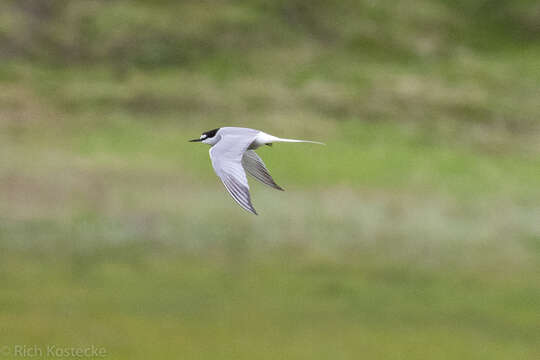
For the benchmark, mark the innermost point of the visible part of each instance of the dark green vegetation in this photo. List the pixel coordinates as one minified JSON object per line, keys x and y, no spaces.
{"x":414,"y":234}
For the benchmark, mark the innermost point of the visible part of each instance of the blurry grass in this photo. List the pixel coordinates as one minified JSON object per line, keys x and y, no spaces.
{"x":166,"y":304}
{"x":413,"y":234}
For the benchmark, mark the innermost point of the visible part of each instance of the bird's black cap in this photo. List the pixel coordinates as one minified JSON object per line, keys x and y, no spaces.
{"x":206,"y":135}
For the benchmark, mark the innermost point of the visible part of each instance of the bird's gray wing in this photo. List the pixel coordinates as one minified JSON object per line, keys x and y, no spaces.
{"x":226,"y":158}
{"x":254,"y":165}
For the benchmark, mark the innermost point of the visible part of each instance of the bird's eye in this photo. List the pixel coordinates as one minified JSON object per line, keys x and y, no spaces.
{"x":203,"y":136}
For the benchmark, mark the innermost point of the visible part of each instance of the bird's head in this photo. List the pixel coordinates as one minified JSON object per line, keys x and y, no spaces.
{"x":208,"y":137}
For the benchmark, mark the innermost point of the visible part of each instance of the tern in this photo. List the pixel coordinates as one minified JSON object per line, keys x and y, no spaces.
{"x":232,"y":154}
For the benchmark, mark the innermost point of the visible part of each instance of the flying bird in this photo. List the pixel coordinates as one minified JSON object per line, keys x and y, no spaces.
{"x":232,"y":154}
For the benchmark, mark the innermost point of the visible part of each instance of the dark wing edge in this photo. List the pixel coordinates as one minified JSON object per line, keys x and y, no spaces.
{"x":255,"y":167}
{"x":239,"y":193}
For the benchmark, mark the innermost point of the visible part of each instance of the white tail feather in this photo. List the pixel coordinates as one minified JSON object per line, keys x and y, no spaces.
{"x":298,"y":141}
{"x":264,"y":138}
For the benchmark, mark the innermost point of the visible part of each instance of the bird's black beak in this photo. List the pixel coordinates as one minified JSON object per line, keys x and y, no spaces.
{"x":195,"y":140}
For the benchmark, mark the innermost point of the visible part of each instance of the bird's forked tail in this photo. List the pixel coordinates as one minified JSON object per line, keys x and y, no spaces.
{"x":267,"y":139}
{"x":299,"y":141}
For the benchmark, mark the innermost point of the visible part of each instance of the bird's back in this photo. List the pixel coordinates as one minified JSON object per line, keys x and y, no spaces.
{"x":238,"y":131}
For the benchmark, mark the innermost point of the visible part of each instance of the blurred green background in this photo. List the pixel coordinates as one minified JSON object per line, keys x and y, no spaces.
{"x":414,"y":234}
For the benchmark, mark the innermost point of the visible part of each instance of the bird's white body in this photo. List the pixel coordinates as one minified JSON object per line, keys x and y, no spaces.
{"x":232,"y":154}
{"x":261,"y":138}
